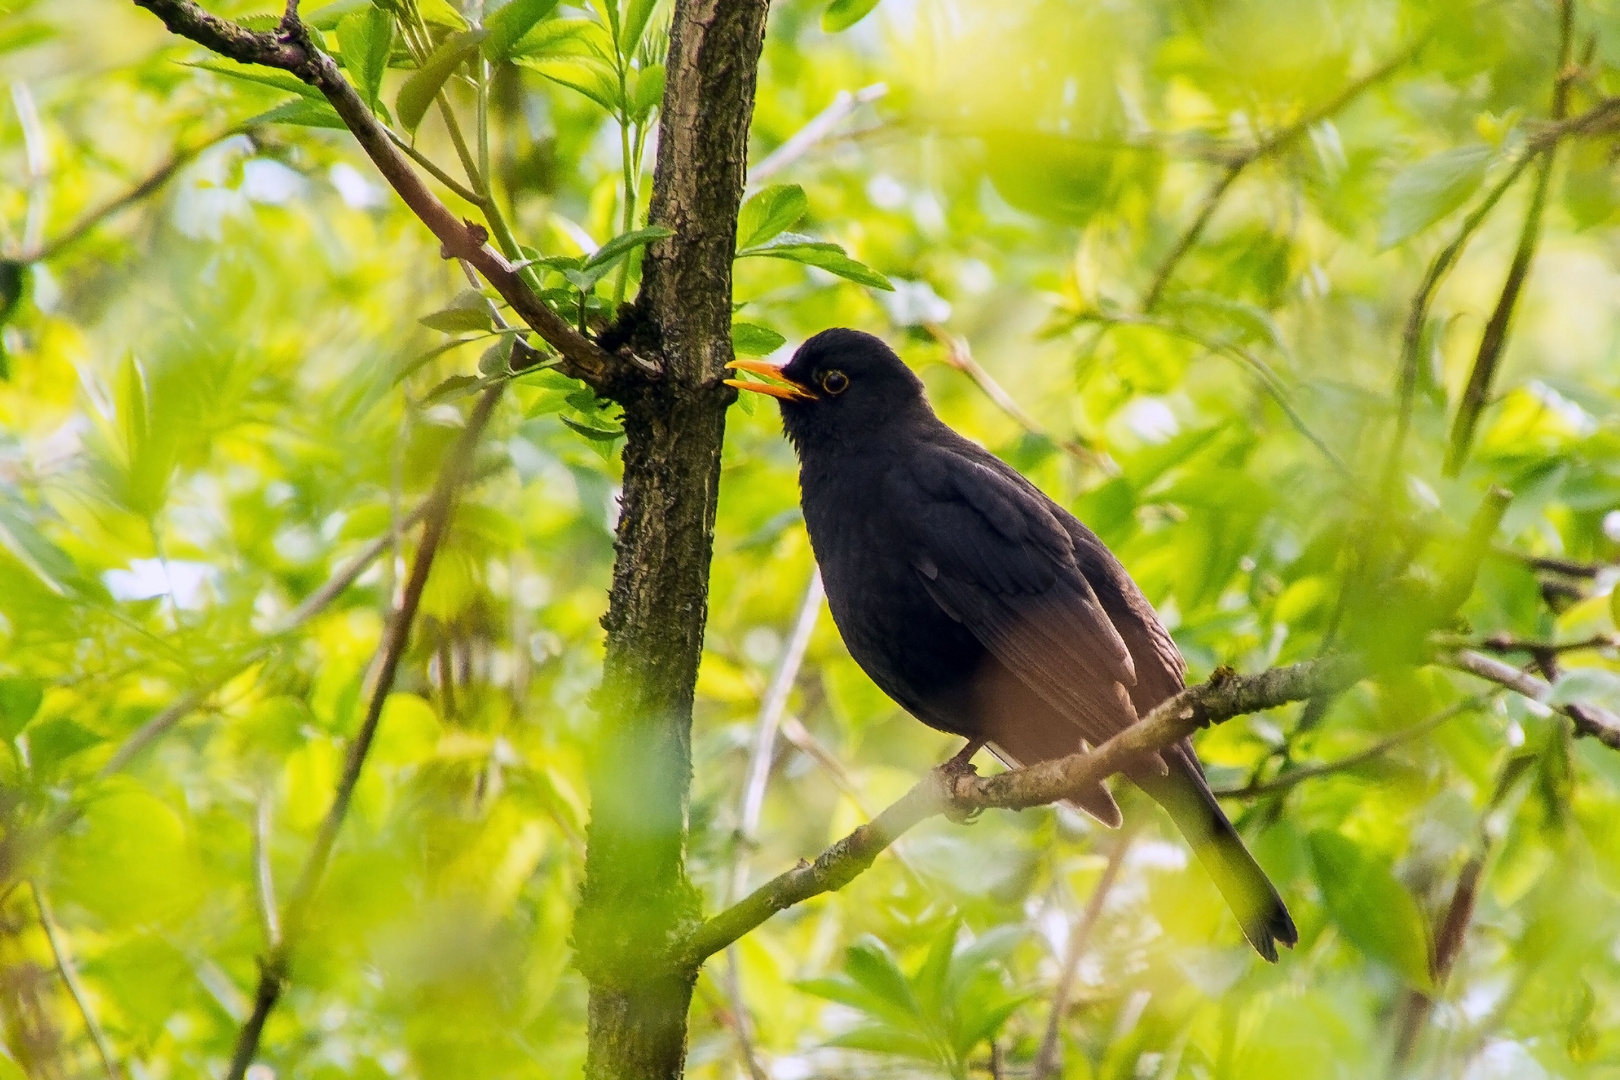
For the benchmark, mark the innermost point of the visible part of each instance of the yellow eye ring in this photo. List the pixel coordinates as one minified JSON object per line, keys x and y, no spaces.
{"x":834,"y":382}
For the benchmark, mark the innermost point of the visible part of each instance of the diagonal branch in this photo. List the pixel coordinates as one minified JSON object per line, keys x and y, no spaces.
{"x":1219,"y":699}
{"x":274,"y":965}
{"x":290,"y":49}
{"x":1589,"y":721}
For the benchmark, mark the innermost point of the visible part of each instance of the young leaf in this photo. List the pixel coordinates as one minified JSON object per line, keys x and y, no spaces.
{"x":558,"y":37}
{"x":301,"y":112}
{"x":588,"y":75}
{"x":456,"y":386}
{"x":421,"y":88}
{"x":441,"y":12}
{"x":1374,"y":910}
{"x":623,"y":244}
{"x":1423,"y":193}
{"x":19,"y":701}
{"x":367,"y":40}
{"x":252,"y":73}
{"x":457,"y":320}
{"x":634,"y":24}
{"x":648,"y":94}
{"x":511,"y":23}
{"x":843,"y":14}
{"x":870,"y":963}
{"x":769,"y":213}
{"x":829,"y":257}
{"x":749,"y":339}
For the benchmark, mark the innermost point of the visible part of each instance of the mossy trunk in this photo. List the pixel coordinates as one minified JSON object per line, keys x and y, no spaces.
{"x":637,"y":901}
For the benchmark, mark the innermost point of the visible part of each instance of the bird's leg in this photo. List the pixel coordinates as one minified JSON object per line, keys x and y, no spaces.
{"x":960,"y":765}
{"x":963,"y":761}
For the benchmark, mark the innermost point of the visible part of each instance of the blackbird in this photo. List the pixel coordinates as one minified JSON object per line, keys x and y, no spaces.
{"x":981,"y":606}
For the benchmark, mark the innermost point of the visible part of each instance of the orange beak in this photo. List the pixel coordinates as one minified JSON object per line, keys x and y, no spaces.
{"x":792,"y":391}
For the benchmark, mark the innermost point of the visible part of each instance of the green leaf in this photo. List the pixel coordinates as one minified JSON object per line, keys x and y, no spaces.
{"x":870,"y":963}
{"x":588,"y":75}
{"x":262,"y":76}
{"x":367,"y":40}
{"x":829,"y":257}
{"x":749,"y":339}
{"x":508,"y":25}
{"x":19,"y":701}
{"x":595,"y":434}
{"x":769,"y":213}
{"x":888,"y":1039}
{"x":328,"y":17}
{"x":442,"y":13}
{"x":13,"y":285}
{"x":648,"y":94}
{"x":456,"y":386}
{"x":1374,"y":911}
{"x":302,"y":113}
{"x":1423,"y":193}
{"x":1587,"y":685}
{"x":556,"y":37}
{"x":52,"y":742}
{"x":621,"y":245}
{"x":424,"y":85}
{"x":843,"y":14}
{"x":634,"y":24}
{"x":458,"y":320}
{"x":53,"y":567}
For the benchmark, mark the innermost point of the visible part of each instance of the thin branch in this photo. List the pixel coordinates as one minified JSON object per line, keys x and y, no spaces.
{"x":820,"y":127}
{"x":1047,"y":1059}
{"x":1492,"y":342}
{"x":1566,"y":567}
{"x":265,"y":888}
{"x":1287,"y":780}
{"x":1035,"y":785}
{"x":274,"y":966}
{"x":1506,"y":643}
{"x":290,"y":49}
{"x":1589,"y":721}
{"x":1266,"y":147}
{"x":153,"y":183}
{"x":959,"y":355}
{"x":771,"y":708}
{"x":70,"y":978}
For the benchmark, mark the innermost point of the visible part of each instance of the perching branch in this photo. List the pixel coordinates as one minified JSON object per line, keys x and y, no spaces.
{"x":1219,"y":699}
{"x":290,"y":49}
{"x":274,"y":965}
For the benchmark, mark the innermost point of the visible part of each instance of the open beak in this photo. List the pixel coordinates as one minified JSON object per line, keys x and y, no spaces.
{"x":791,"y":391}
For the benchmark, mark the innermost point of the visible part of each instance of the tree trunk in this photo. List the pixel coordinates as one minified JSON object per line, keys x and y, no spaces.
{"x":637,"y":900}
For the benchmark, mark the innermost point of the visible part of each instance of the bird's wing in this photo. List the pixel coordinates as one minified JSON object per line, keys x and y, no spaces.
{"x":994,"y":555}
{"x":1161,"y":673}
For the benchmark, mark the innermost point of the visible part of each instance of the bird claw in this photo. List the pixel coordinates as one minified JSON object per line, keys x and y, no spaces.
{"x":951,"y":773}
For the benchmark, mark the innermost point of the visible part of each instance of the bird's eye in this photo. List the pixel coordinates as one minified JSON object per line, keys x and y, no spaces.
{"x":834,"y":382}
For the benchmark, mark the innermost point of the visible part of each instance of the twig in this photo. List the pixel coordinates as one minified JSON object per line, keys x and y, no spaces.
{"x":1506,"y":643}
{"x":822,"y":125}
{"x":1264,"y":148}
{"x":274,"y":965}
{"x":960,"y":356}
{"x":70,"y":978}
{"x":1552,"y":565}
{"x":1591,"y":722}
{"x":1047,"y":1060}
{"x":1287,"y":780}
{"x":154,"y":182}
{"x":1034,"y":785}
{"x":759,"y":772}
{"x":265,"y":887}
{"x":290,"y":49}
{"x":1494,"y":339}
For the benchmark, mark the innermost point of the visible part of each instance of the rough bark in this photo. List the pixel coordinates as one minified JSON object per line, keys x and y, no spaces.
{"x":637,"y":902}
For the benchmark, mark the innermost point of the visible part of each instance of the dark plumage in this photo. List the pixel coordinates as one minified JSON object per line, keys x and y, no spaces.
{"x":982,"y":607}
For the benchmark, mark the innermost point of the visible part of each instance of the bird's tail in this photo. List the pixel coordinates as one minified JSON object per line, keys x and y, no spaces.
{"x":1185,"y":794}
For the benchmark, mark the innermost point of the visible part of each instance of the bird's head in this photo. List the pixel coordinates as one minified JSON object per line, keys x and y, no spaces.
{"x":839,"y":384}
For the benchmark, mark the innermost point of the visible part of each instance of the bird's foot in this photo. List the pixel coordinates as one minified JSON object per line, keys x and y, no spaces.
{"x":951,"y":773}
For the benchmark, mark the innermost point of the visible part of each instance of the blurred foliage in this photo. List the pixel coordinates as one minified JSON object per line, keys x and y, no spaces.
{"x":217,"y":397}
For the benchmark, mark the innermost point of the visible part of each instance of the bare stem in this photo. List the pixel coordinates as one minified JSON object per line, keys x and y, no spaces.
{"x":275,"y":964}
{"x":70,"y":978}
